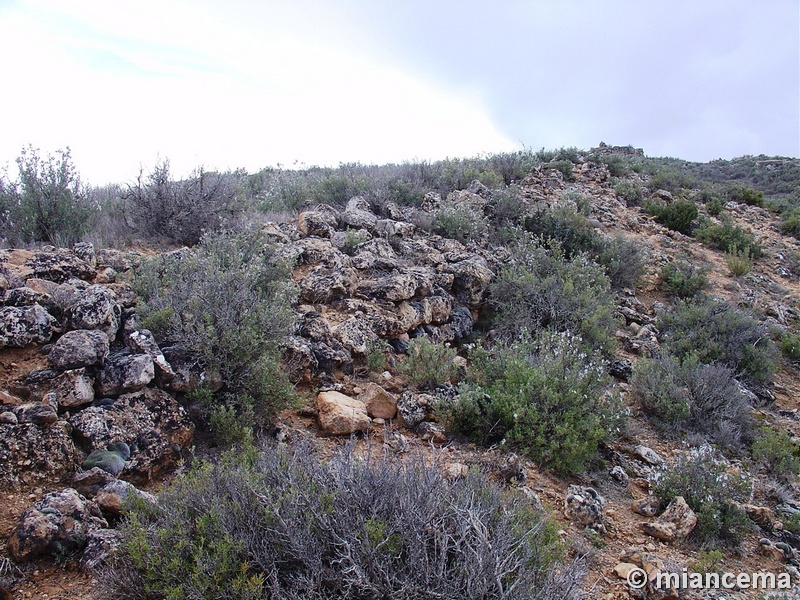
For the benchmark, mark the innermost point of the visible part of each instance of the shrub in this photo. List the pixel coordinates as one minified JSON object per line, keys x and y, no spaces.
{"x":564,"y":166}
{"x":791,"y":223}
{"x":228,"y":300}
{"x":714,"y":490}
{"x":428,"y":365}
{"x":671,"y":180}
{"x":777,"y":453}
{"x":540,"y":289}
{"x":719,"y":332}
{"x":678,"y":215}
{"x":738,"y":261}
{"x":47,"y":204}
{"x":683,"y":279}
{"x":745,"y":195}
{"x":287,"y":525}
{"x":629,"y":191}
{"x":460,"y":223}
{"x":507,"y":207}
{"x":230,"y":424}
{"x":547,"y":399}
{"x":790,"y":345}
{"x":727,"y":236}
{"x":693,"y":397}
{"x":161,"y":208}
{"x":617,"y":165}
{"x":353,"y":238}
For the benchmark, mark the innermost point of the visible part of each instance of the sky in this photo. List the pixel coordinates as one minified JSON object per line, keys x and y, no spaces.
{"x":259,"y":83}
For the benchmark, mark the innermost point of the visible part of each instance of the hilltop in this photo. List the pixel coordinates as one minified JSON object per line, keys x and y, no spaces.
{"x":608,"y":340}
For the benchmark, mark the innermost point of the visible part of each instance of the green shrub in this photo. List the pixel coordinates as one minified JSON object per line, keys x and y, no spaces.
{"x":507,"y":207}
{"x":540,"y":289}
{"x":791,"y":223}
{"x":726,"y":236}
{"x":460,"y":223}
{"x":564,"y":166}
{"x":287,"y":525}
{"x":678,"y":216}
{"x":672,"y":181}
{"x":47,"y":204}
{"x":428,"y":365}
{"x":719,"y":332}
{"x":683,"y":279}
{"x":714,"y":490}
{"x":738,"y":261}
{"x":777,"y":453}
{"x":745,"y":195}
{"x":229,"y":301}
{"x":790,"y":346}
{"x":617,"y":165}
{"x":693,"y":397}
{"x":353,"y":238}
{"x":546,"y":399}
{"x":629,"y":191}
{"x":230,"y":424}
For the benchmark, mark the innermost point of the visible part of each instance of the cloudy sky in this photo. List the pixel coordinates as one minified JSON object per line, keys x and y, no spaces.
{"x":255,"y":83}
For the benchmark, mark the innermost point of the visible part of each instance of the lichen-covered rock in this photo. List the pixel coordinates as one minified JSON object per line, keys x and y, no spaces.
{"x":191,"y":370}
{"x":649,"y":506}
{"x":23,"y":325}
{"x":340,"y":414}
{"x":409,"y":282}
{"x":72,"y":388}
{"x":25,"y":296}
{"x":125,"y":373}
{"x":675,"y":523}
{"x":357,"y":214}
{"x":585,"y":507}
{"x":79,"y":348}
{"x":101,"y":545}
{"x":412,"y":408}
{"x":58,"y":523}
{"x":85,"y":252}
{"x":38,"y":413}
{"x":471,"y":277}
{"x":111,"y":498}
{"x":355,"y":335}
{"x":379,"y":403}
{"x":58,"y":265}
{"x":150,"y":421}
{"x":324,"y":284}
{"x":141,"y":341}
{"x":299,"y":360}
{"x":316,"y":223}
{"x":96,"y":307}
{"x":31,"y":454}
{"x":91,"y":481}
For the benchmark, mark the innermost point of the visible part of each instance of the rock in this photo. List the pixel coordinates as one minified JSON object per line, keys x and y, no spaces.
{"x":619,"y":475}
{"x":38,"y":413}
{"x":79,"y":348}
{"x":649,"y":506}
{"x":621,"y":369}
{"x":299,"y":360}
{"x":358,"y":214}
{"x":91,"y":481}
{"x":585,"y":507}
{"x":60,"y":522}
{"x":340,"y":414}
{"x":25,"y":296}
{"x":763,"y":517}
{"x":434,"y":433}
{"x":675,"y":523}
{"x":111,"y":460}
{"x":412,"y":409}
{"x":768,"y":548}
{"x":97,"y":307}
{"x":23,"y":325}
{"x":648,"y":455}
{"x":471,"y":278}
{"x":149,"y":419}
{"x":316,"y":223}
{"x":72,"y":388}
{"x":125,"y":373}
{"x":325,"y":284}
{"x":58,"y":265}
{"x":112,"y":497}
{"x":379,"y":403}
{"x":85,"y":252}
{"x":191,"y":370}
{"x":31,"y":454}
{"x":624,"y":569}
{"x":101,"y":545}
{"x":355,"y":335}
{"x":141,"y":341}
{"x":8,"y":418}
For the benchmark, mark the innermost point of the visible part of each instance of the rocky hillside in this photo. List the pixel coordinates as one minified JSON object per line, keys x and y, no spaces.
{"x":456,"y":328}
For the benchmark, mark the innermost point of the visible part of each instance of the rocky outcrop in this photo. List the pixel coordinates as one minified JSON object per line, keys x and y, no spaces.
{"x":58,"y":523}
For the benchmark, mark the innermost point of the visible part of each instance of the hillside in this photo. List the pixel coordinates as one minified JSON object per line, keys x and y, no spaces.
{"x":604,"y":343}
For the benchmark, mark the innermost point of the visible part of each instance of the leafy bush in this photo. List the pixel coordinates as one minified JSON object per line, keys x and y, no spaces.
{"x":738,"y":261}
{"x":353,"y":238}
{"x":683,"y":279}
{"x":47,"y":204}
{"x":287,"y":525}
{"x":164,"y":209}
{"x":507,"y":206}
{"x":547,"y":399}
{"x":719,"y":332}
{"x":541,"y":289}
{"x":791,"y":223}
{"x":460,"y":223}
{"x":230,"y":424}
{"x":228,"y":300}
{"x":629,"y":191}
{"x":727,"y":236}
{"x":777,"y":453}
{"x":790,"y":346}
{"x":564,"y":166}
{"x":671,"y":180}
{"x":693,"y":397}
{"x":678,"y":215}
{"x":745,"y":195}
{"x":428,"y":365}
{"x":714,"y":490}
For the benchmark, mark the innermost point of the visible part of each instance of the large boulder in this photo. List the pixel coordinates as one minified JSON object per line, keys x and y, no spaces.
{"x":58,"y":265}
{"x":31,"y":454}
{"x":471,"y":277}
{"x":70,"y":389}
{"x":125,"y":373}
{"x":675,"y":523}
{"x":23,"y":325}
{"x":97,"y":307}
{"x":150,"y":421}
{"x":79,"y":348}
{"x":340,"y":414}
{"x":58,"y":523}
{"x":379,"y":403}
